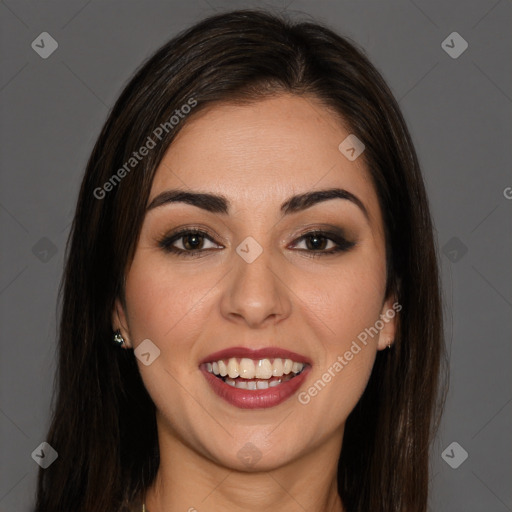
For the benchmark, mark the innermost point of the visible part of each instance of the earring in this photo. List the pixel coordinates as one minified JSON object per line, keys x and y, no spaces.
{"x":118,"y":338}
{"x":389,"y":345}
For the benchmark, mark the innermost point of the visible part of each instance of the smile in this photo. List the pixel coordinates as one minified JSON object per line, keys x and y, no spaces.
{"x":251,"y":379}
{"x":252,"y":374}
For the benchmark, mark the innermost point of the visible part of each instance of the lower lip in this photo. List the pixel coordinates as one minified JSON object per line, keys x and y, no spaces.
{"x":258,"y":398}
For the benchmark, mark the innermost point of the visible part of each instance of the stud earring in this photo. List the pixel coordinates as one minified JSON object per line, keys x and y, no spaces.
{"x":118,"y":338}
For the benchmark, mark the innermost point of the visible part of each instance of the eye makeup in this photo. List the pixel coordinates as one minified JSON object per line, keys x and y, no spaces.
{"x":192,"y":240}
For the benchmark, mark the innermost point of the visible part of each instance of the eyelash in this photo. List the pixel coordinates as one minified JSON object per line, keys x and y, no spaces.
{"x":342,"y":245}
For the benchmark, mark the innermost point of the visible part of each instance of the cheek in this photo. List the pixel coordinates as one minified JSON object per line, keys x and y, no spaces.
{"x":169,"y":308}
{"x":162,"y":302}
{"x":344,"y":313}
{"x":346,"y":300}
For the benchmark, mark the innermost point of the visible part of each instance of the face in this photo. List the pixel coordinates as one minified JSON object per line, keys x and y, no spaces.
{"x":241,"y":283}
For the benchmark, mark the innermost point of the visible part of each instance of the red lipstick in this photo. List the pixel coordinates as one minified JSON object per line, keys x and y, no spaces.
{"x":283,"y":385}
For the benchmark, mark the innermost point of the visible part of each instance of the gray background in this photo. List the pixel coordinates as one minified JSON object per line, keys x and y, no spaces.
{"x":459,"y":114}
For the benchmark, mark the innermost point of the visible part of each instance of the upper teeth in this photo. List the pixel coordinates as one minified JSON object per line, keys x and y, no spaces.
{"x":250,"y":369}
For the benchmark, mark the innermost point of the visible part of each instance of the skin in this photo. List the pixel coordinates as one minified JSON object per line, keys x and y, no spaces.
{"x":257,"y":156}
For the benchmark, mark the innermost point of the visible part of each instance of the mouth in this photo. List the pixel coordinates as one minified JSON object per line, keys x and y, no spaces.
{"x":255,"y":378}
{"x":245,"y":373}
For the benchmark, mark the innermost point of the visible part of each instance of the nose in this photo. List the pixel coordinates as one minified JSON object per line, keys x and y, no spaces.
{"x":256,"y":293}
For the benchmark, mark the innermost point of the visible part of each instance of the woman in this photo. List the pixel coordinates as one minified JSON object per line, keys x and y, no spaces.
{"x":253,"y":234}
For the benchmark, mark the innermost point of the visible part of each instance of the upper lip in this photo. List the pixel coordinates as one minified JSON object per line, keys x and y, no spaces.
{"x":250,"y":353}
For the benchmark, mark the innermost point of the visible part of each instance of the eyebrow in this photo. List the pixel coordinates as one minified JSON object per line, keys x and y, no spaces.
{"x":221,"y":205}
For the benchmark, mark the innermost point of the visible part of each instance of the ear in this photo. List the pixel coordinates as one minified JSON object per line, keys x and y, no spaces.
{"x":119,"y":322}
{"x":389,"y":319}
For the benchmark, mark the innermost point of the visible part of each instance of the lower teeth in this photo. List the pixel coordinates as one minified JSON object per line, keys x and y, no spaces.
{"x":252,"y":384}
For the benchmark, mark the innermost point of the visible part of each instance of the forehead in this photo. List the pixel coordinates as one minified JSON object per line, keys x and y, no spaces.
{"x":260,"y":153}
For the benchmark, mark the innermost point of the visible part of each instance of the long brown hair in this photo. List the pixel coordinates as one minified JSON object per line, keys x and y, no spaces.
{"x":103,"y":421}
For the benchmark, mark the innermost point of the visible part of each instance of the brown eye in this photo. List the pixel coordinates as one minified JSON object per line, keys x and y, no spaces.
{"x":317,"y":243}
{"x":193,"y":241}
{"x":187,"y":242}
